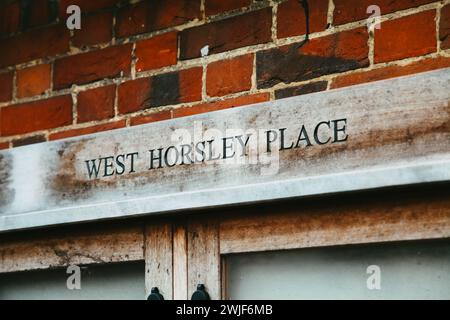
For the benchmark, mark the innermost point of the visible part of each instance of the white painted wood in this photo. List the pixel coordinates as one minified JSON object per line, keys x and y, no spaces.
{"x":398,"y":134}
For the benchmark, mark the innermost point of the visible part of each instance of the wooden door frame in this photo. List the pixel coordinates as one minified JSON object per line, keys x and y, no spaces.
{"x":181,"y":251}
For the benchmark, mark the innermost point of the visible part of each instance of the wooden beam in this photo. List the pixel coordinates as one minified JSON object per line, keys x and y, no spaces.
{"x":37,"y":251}
{"x":329,"y":222}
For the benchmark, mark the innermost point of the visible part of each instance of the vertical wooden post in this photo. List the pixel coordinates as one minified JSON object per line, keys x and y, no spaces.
{"x":180,"y":262}
{"x":158,"y":258}
{"x":180,"y":255}
{"x":204,"y":257}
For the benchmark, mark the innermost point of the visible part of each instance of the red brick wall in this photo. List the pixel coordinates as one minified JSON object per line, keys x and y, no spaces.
{"x":139,"y":62}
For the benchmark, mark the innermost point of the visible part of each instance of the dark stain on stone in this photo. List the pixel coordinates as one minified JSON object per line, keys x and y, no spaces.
{"x":65,"y":183}
{"x":69,"y":185}
{"x":6,"y":192}
{"x":430,"y":130}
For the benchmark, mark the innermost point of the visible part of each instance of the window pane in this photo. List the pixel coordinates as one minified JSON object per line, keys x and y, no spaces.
{"x":408,"y":270}
{"x":109,"y":281}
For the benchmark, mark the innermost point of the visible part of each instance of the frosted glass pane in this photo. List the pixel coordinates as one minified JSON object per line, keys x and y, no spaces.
{"x":409,"y":270}
{"x":111,"y":281}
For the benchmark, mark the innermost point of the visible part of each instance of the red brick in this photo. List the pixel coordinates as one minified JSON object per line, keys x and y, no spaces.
{"x":134,"y":95}
{"x":190,"y":85}
{"x":4,"y":145}
{"x":347,"y":11}
{"x":157,"y":52}
{"x":155,"y":15}
{"x":161,"y":90}
{"x":410,"y":36}
{"x":88,"y":130}
{"x":229,"y":76}
{"x":34,"y":44}
{"x":33,"y":81}
{"x":95,"y":29}
{"x":9,"y":18}
{"x":220,"y":105}
{"x":444,"y":27}
{"x":213,"y":7}
{"x":39,"y":13}
{"x":225,"y":35}
{"x":291,"y":18}
{"x":390,"y":72}
{"x":6,"y":86}
{"x":92,"y":66}
{"x":85,"y":5}
{"x":347,"y":50}
{"x":154,"y":117}
{"x":36,"y":115}
{"x":96,"y":104}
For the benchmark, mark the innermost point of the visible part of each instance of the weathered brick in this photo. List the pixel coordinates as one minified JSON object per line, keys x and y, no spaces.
{"x":37,"y":115}
{"x":86,"y":5}
{"x":92,"y":66}
{"x":33,"y":81}
{"x":229,"y":76}
{"x":291,"y":18}
{"x":87,"y":130}
{"x":302,"y":89}
{"x":6,"y":86}
{"x":220,"y":105}
{"x":213,"y":7}
{"x":224,"y":35}
{"x":135,"y":95}
{"x":9,"y":18}
{"x":34,"y":44}
{"x":409,"y":36}
{"x":155,"y":15}
{"x":4,"y":145}
{"x":444,"y":27}
{"x":189,"y":84}
{"x":157,"y":52}
{"x":390,"y":72}
{"x":154,"y":117}
{"x":39,"y":12}
{"x":96,"y":28}
{"x":346,"y":11}
{"x":160,"y":90}
{"x":339,"y":52}
{"x":29,"y":140}
{"x":96,"y":104}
